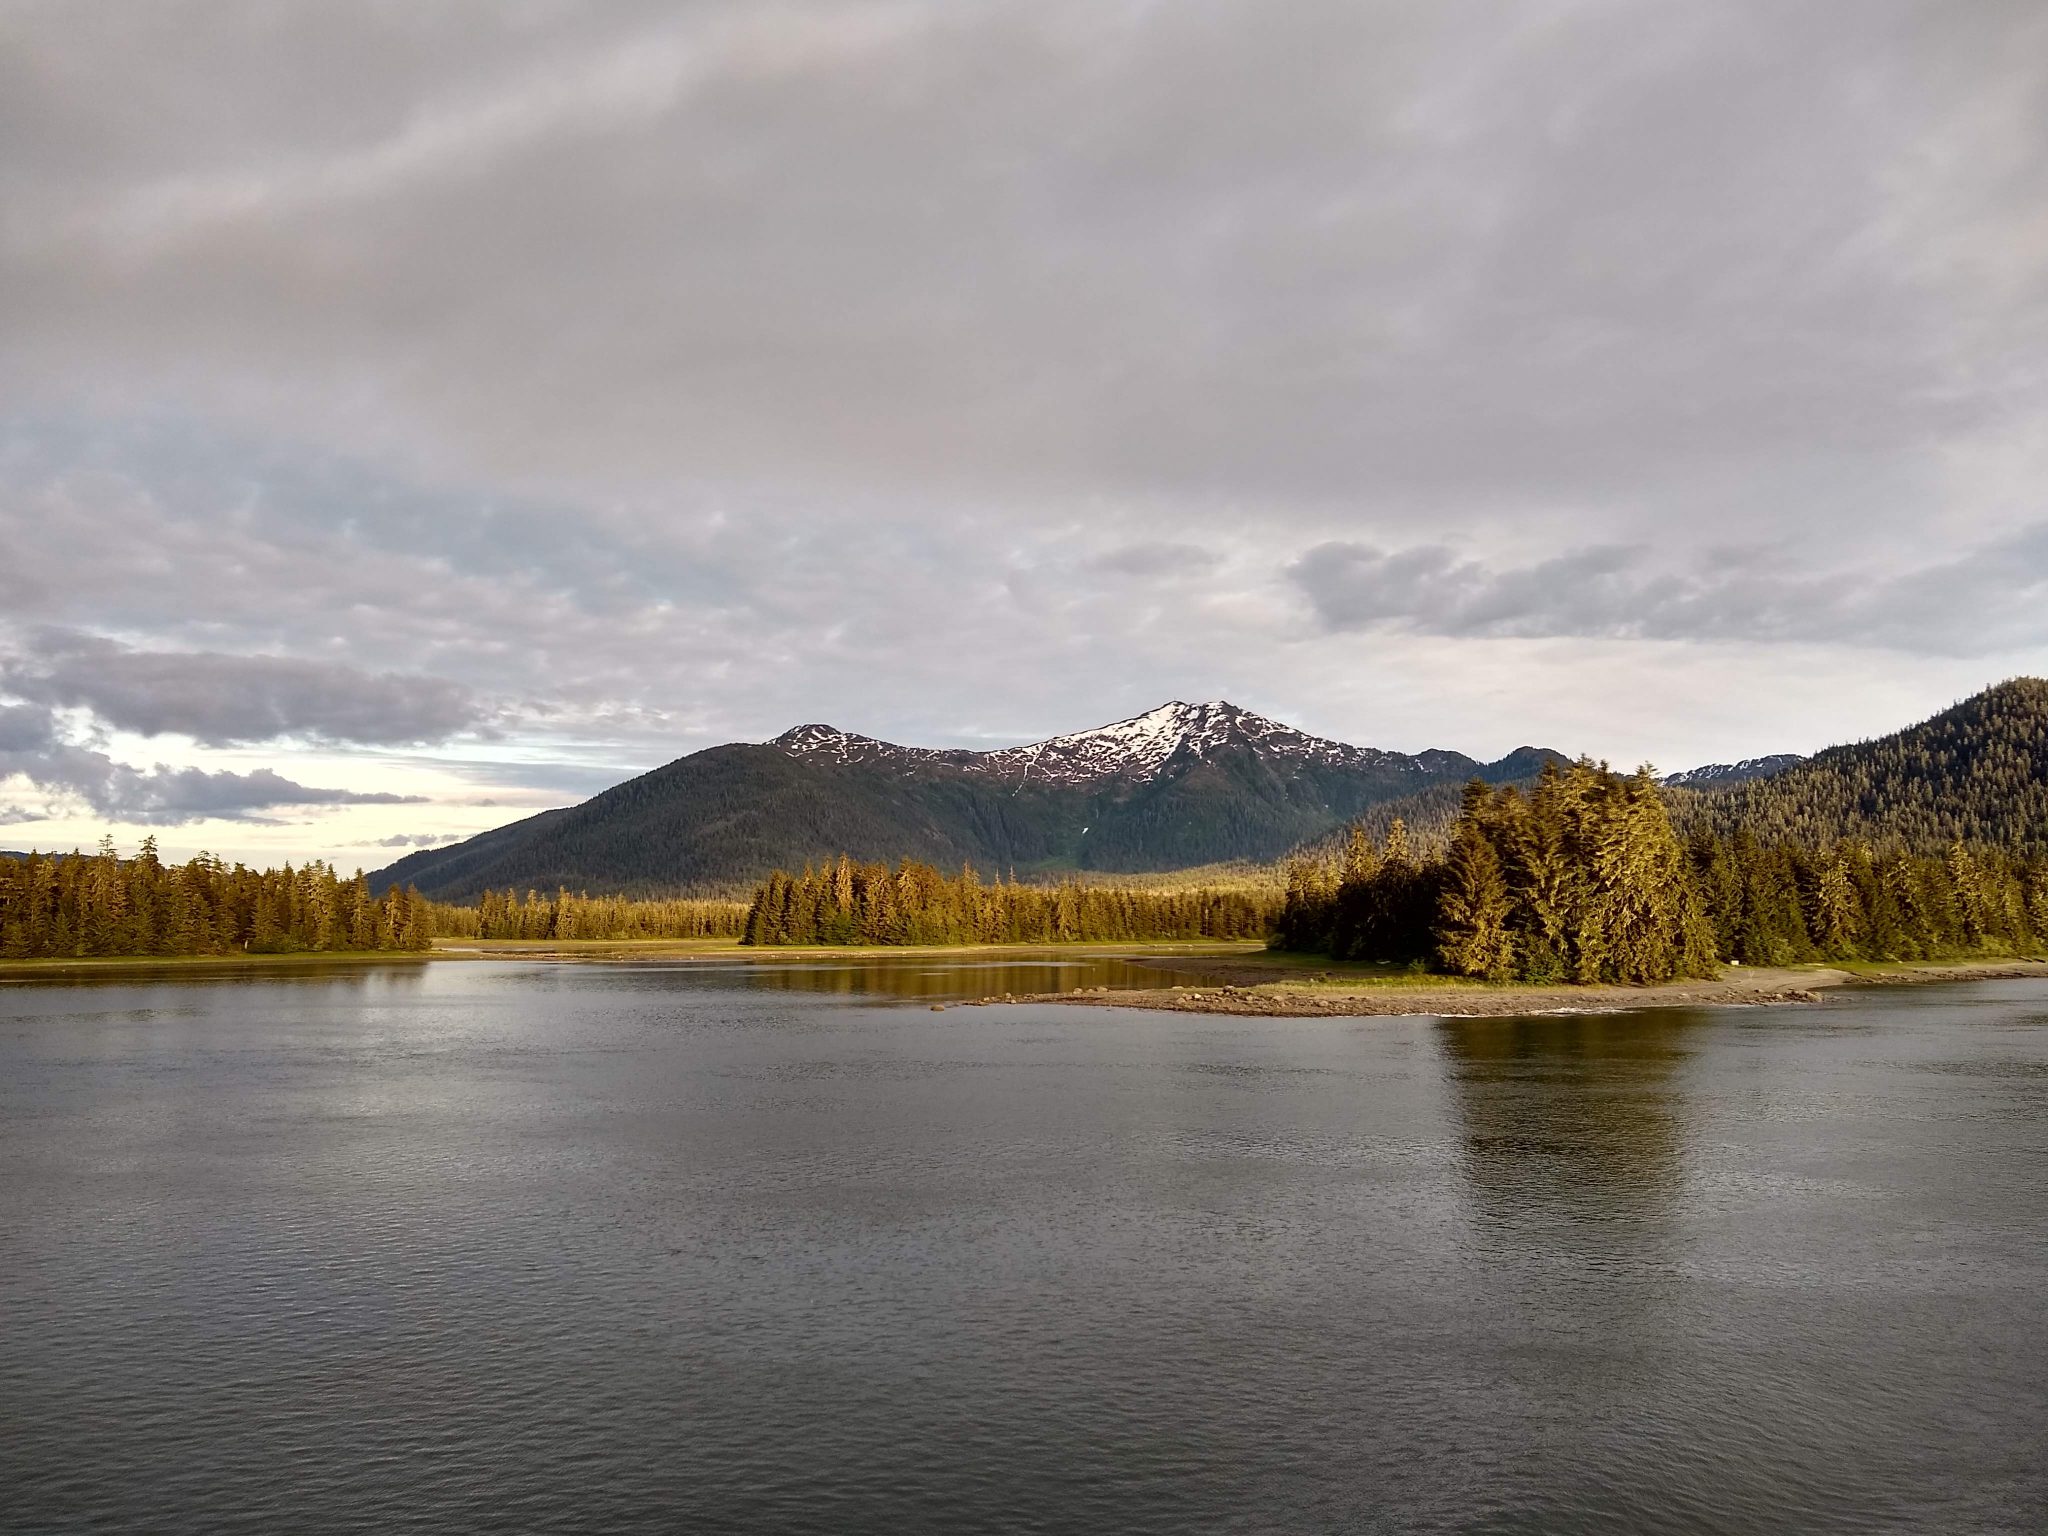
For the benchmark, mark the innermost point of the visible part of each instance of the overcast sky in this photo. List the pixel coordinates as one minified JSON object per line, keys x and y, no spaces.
{"x":413,"y":415}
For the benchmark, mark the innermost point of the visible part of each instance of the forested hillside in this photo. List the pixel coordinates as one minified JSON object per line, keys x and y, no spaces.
{"x":1977,"y":773}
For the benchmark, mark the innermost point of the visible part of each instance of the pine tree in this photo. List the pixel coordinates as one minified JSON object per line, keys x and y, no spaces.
{"x":1838,"y":920}
{"x":1472,"y":917}
{"x":1967,"y":885}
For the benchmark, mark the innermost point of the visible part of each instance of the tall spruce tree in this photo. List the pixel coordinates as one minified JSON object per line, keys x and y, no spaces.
{"x":1472,"y":934}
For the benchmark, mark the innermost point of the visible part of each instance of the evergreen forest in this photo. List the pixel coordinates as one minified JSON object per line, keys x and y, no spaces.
{"x":504,"y":915}
{"x":101,"y":904}
{"x":1975,"y":774}
{"x":913,"y":903}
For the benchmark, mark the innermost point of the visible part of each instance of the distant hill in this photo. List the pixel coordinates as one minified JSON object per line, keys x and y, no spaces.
{"x":1977,"y":772}
{"x":1722,"y":775}
{"x":1178,"y":786}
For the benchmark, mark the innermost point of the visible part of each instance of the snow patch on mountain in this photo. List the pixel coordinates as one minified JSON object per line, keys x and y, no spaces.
{"x":1718,"y":775}
{"x":1133,"y":750}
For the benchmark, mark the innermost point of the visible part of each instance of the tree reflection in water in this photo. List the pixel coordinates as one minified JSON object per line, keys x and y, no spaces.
{"x":1573,"y":1124}
{"x":940,"y":979}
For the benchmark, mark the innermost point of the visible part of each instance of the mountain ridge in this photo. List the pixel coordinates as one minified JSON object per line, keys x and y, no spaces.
{"x":1135,"y":748}
{"x":1181,"y":785}
{"x":1714,"y":775}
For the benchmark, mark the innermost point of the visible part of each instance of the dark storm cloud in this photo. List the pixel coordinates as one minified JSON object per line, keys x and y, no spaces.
{"x":222,"y":700}
{"x":1992,"y":599}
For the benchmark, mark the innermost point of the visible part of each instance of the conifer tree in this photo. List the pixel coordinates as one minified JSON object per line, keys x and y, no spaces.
{"x":1967,"y":885}
{"x":1837,"y":921}
{"x":1472,"y":917}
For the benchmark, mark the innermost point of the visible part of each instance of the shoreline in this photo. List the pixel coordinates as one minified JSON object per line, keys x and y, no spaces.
{"x":1249,"y":980}
{"x":1185,"y":953}
{"x":1245,"y":992}
{"x":76,"y":965}
{"x":1197,"y":953}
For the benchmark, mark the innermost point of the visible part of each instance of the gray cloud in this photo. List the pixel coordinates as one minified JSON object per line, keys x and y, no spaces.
{"x":413,"y":840}
{"x":1165,"y":248}
{"x":224,"y":700}
{"x":26,"y":728}
{"x":32,"y":748}
{"x":1989,"y":600}
{"x":1154,"y":559}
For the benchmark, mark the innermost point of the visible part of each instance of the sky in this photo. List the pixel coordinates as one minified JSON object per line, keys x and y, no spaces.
{"x":414,"y":415}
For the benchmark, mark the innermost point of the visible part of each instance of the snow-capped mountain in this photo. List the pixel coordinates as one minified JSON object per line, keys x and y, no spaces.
{"x":1720,"y":775}
{"x":1133,"y":750}
{"x":1181,"y":785}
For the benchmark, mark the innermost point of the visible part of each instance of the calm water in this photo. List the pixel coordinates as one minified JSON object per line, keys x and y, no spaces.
{"x":500,"y":1246}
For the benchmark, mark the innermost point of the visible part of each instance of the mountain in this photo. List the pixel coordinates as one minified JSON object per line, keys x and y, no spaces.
{"x":1977,"y":773}
{"x":1178,"y":786}
{"x":1131,"y":750}
{"x":1722,"y":775}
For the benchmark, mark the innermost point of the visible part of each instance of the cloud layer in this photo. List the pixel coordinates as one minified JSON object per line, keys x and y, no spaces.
{"x":34,"y":750}
{"x":1991,"y":601}
{"x":225,"y":700}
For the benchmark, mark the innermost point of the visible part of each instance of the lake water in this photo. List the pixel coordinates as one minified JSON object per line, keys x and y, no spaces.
{"x":495,"y":1246}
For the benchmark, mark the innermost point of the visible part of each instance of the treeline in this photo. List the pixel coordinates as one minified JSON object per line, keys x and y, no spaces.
{"x":503,"y":915}
{"x":850,"y":903}
{"x":1583,"y":879}
{"x":1774,"y":904}
{"x":98,"y":905}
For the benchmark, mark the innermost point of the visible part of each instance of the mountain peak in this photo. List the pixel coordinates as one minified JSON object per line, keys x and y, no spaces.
{"x":1132,"y":750}
{"x":829,"y":743}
